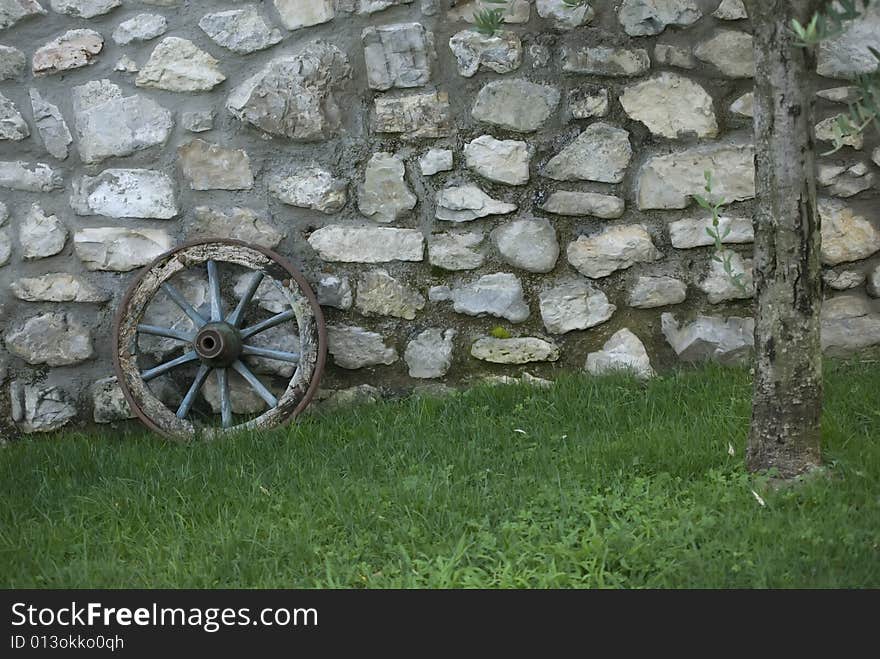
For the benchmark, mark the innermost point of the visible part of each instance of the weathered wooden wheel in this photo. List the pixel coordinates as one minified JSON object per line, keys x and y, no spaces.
{"x":245,"y":351}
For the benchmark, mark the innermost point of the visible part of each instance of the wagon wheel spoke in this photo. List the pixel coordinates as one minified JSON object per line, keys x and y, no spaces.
{"x":268,"y":353}
{"x":255,"y":383}
{"x":236,"y":317}
{"x":167,"y":332}
{"x":214,"y":288}
{"x":269,"y":323}
{"x":185,"y":306}
{"x":225,"y":400}
{"x":188,"y":400}
{"x":152,"y":373}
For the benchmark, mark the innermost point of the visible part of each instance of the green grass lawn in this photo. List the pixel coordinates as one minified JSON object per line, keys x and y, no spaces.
{"x":592,"y":483}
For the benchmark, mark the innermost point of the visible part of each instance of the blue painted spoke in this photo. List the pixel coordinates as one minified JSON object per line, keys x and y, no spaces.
{"x":214,"y":288}
{"x":188,"y":400}
{"x":268,"y":353}
{"x":185,"y":306}
{"x":156,"y":371}
{"x":252,"y":380}
{"x":269,"y":323}
{"x":236,"y":317}
{"x":167,"y":332}
{"x":225,"y":401}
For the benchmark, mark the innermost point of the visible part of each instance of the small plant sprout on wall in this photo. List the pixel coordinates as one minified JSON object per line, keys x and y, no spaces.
{"x":723,"y":256}
{"x":488,"y":21}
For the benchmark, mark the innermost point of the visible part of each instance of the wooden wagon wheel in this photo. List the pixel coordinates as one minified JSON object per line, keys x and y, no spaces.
{"x":223,"y":337}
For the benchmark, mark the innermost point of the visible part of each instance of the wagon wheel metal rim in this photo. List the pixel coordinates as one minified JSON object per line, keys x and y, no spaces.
{"x":219,"y":341}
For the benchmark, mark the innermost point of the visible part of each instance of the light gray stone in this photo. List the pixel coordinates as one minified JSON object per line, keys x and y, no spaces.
{"x":334,"y":291}
{"x":693,"y":232}
{"x":198,"y":121}
{"x":499,"y":295}
{"x":356,"y":347}
{"x":108,"y":124}
{"x":622,"y":352}
{"x":500,"y":52}
{"x":41,"y":235}
{"x":342,"y":399}
{"x":357,"y":244}
{"x":719,"y":286}
{"x":564,"y":202}
{"x":843,"y":281}
{"x":243,"y":224}
{"x":269,"y":295}
{"x":108,"y":402}
{"x":293,"y":96}
{"x":455,"y":250}
{"x":875,"y":156}
{"x":141,"y":27}
{"x":600,"y":153}
{"x":373,"y":6}
{"x":177,"y":65}
{"x":642,"y":18}
{"x":384,"y":195}
{"x":242,"y":397}
{"x":5,"y":246}
{"x":573,"y":304}
{"x":242,"y":31}
{"x":56,"y":287}
{"x":515,"y":11}
{"x":849,"y":325}
{"x":429,"y":355}
{"x":126,"y":65}
{"x":678,"y":56}
{"x":54,"y":339}
{"x":521,"y":350}
{"x":40,"y":409}
{"x":117,"y":249}
{"x":435,"y":160}
{"x":843,"y":181}
{"x":13,"y":11}
{"x":671,"y":106}
{"x":72,"y":50}
{"x":380,"y":294}
{"x":134,"y":193}
{"x":311,"y":187}
{"x":605,"y":61}
{"x":846,"y":236}
{"x":397,"y":55}
{"x":502,"y":161}
{"x":211,"y":167}
{"x":728,"y":341}
{"x":848,"y":94}
{"x":465,"y":203}
{"x":12,"y":124}
{"x":84,"y":8}
{"x":744,"y":106}
{"x":586,"y":102}
{"x":296,"y":14}
{"x":422,"y":115}
{"x":528,"y":244}
{"x":671,"y":180}
{"x":12,"y":63}
{"x":29,"y":177}
{"x":540,"y":55}
{"x":731,"y":10}
{"x":827,"y":131}
{"x":615,"y":248}
{"x":51,"y":126}
{"x":848,"y":54}
{"x":653,"y":292}
{"x":515,"y":104}
{"x":565,"y":16}
{"x":730,"y":51}
{"x":874,"y":282}
{"x":281,"y":338}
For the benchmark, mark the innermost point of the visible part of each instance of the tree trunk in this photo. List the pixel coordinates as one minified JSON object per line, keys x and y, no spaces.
{"x":787,"y":397}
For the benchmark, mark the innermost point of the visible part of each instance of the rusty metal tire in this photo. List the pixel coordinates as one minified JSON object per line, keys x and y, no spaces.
{"x":219,"y":343}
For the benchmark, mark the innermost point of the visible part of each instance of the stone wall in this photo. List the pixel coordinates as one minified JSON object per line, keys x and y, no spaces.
{"x":464,"y":205}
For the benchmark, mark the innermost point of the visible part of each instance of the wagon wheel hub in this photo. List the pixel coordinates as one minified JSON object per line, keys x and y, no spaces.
{"x":218,"y":344}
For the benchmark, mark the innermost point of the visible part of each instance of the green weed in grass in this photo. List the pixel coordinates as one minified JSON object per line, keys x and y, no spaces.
{"x":592,"y":483}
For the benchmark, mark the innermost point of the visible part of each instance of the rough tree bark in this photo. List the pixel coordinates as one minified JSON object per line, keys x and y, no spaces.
{"x":787,"y":397}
